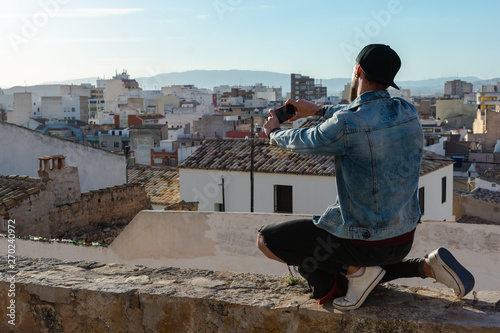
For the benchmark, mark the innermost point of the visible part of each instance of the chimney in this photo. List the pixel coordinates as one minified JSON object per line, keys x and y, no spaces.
{"x":64,"y":180}
{"x":58,"y":162}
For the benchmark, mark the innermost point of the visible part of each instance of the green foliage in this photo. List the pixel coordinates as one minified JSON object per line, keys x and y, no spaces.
{"x":293,"y":280}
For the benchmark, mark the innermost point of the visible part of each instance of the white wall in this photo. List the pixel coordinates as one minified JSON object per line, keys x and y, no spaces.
{"x":142,"y":145}
{"x":481,"y":183}
{"x":52,"y":108}
{"x":23,"y":109}
{"x":70,"y":102}
{"x":433,"y":208}
{"x":20,"y":149}
{"x":184,"y":152}
{"x":226,"y":242}
{"x":438,"y":147}
{"x":311,"y":194}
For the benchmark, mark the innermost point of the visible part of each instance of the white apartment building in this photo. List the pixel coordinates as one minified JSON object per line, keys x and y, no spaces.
{"x":67,"y":107}
{"x":23,"y":109}
{"x":190,"y":93}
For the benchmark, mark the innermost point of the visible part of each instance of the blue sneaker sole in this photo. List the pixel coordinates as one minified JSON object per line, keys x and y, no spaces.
{"x":450,"y":264}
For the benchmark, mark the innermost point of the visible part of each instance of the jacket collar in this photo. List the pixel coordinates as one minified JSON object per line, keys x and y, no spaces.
{"x":368,"y":97}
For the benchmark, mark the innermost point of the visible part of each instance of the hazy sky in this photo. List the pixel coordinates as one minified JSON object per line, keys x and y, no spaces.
{"x":48,"y":40}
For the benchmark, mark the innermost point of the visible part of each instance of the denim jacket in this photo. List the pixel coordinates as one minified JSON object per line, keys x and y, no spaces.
{"x":378,"y":145}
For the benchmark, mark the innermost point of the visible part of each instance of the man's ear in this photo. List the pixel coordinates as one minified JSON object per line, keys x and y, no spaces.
{"x":358,"y":71}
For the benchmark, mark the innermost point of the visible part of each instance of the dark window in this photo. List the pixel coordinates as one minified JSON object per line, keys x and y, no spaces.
{"x":117,"y":144}
{"x":218,"y":207}
{"x":443,"y":190}
{"x":421,"y":199}
{"x":283,"y":199}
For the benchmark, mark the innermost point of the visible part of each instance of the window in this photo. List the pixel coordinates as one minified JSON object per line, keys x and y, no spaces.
{"x":73,"y":109}
{"x":283,"y":199}
{"x":421,"y":199}
{"x":117,"y":145}
{"x":443,"y":190}
{"x":104,"y":144}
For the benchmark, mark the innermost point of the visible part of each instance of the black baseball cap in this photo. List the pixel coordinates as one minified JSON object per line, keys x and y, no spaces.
{"x":380,"y":63}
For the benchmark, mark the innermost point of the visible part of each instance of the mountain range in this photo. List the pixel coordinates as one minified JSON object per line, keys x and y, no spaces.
{"x":212,"y":78}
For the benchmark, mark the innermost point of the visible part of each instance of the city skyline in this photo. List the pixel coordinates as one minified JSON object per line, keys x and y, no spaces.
{"x":57,"y":40}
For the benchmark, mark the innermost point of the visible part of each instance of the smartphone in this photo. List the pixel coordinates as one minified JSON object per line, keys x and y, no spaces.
{"x":285,"y":112}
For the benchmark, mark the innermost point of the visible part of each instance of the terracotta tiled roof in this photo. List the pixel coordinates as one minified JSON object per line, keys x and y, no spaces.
{"x":312,"y":121}
{"x":234,"y":155}
{"x":14,"y":189}
{"x":244,"y":134}
{"x":161,"y":183}
{"x":432,"y":162}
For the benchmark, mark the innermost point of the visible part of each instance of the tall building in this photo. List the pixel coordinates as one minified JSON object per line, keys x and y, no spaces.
{"x":96,"y":102}
{"x":457,"y":88}
{"x":23,"y":109}
{"x":67,"y":107}
{"x":303,"y":87}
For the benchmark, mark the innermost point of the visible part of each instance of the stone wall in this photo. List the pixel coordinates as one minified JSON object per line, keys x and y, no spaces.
{"x":184,"y":206}
{"x":105,"y":207}
{"x":466,"y":204}
{"x":63,"y":184}
{"x":58,"y":296}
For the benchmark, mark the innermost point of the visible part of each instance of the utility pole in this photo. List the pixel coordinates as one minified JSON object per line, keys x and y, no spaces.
{"x":251,"y":166}
{"x":223,"y":196}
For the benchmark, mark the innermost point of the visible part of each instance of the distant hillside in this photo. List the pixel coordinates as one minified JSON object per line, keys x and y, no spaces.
{"x":212,"y":78}
{"x":41,"y":90}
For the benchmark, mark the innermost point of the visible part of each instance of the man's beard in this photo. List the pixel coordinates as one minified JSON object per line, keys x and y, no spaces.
{"x":353,"y":94}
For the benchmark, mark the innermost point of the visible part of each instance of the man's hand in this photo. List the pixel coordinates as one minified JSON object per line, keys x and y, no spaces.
{"x":303,"y":108}
{"x":271,"y":123}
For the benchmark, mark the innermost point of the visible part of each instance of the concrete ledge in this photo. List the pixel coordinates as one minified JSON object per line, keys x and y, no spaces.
{"x":63,"y":296}
{"x":226,"y":242}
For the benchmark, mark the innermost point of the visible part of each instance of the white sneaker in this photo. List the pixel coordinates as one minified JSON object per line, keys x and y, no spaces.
{"x":359,"y":288}
{"x":448,"y":271}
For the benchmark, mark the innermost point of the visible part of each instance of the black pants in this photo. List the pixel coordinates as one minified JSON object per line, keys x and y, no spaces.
{"x":320,"y":255}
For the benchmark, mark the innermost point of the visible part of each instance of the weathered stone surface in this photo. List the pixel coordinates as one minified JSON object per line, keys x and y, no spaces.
{"x":62,"y":296}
